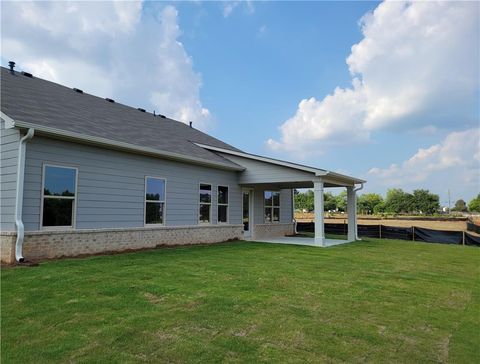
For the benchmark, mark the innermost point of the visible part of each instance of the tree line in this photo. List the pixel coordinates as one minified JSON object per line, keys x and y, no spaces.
{"x":396,"y":201}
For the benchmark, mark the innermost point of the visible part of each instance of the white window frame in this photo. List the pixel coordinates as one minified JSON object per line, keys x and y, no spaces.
{"x":205,"y":203}
{"x":74,"y":198}
{"x":224,"y":204}
{"x":271,"y":207}
{"x":154,"y":201}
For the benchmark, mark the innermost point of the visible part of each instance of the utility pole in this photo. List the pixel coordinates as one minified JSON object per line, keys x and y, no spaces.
{"x":449,"y":201}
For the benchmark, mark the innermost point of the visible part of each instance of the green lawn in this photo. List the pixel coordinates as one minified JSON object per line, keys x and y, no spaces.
{"x":371,"y":301}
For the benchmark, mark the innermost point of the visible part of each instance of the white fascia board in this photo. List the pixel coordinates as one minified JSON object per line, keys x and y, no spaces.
{"x":318,"y":172}
{"x":9,"y":122}
{"x":69,"y":135}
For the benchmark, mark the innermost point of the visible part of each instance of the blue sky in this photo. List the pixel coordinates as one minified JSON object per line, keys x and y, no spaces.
{"x":384,"y":91}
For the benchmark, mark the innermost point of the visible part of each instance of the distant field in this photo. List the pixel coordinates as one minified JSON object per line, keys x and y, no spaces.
{"x":429,"y":224}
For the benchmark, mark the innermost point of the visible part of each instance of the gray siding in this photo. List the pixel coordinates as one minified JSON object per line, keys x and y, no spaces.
{"x":285,"y":205}
{"x":262,"y":172}
{"x":110,"y":191}
{"x":9,"y":140}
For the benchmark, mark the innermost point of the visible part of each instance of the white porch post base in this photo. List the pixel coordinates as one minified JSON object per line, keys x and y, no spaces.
{"x":318,"y":205}
{"x":352,"y":213}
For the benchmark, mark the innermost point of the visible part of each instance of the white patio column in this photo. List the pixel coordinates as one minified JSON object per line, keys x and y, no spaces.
{"x":352,"y":213}
{"x":318,"y":206}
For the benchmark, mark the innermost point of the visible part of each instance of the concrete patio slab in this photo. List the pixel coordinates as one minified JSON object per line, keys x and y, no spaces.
{"x":297,"y":240}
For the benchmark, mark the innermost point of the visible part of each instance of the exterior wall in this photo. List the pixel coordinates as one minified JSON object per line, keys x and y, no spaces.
{"x":9,"y":141}
{"x":286,"y":213}
{"x":262,"y":172}
{"x":40,"y":245}
{"x":7,"y":247}
{"x":273,"y":230}
{"x":111,"y":187}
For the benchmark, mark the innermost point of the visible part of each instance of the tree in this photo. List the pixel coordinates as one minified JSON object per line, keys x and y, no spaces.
{"x":341,"y":200}
{"x":366,"y":203}
{"x":460,"y":205}
{"x":329,"y":202}
{"x":424,"y":202}
{"x":397,"y":201}
{"x":474,"y":204}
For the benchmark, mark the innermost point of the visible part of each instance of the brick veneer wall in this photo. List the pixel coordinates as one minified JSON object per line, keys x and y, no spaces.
{"x":272,"y":230}
{"x":40,"y":245}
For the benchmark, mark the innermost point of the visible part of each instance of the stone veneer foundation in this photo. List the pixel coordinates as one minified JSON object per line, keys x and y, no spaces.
{"x":273,"y":230}
{"x":40,"y":245}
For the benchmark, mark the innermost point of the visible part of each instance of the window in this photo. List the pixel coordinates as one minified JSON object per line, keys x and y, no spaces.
{"x":272,"y":206}
{"x":154,"y":201}
{"x":222,"y":203}
{"x":205,"y":203}
{"x":59,"y":194}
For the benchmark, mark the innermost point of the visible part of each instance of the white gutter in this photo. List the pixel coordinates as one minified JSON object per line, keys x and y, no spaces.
{"x":355,"y":190}
{"x":19,"y":196}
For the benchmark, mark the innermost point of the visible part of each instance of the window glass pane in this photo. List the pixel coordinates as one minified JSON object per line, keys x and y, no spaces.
{"x":268,"y":198}
{"x":155,"y":189}
{"x":204,"y":213}
{"x":57,"y":212}
{"x":276,"y":214}
{"x":154,"y":213}
{"x":59,"y":181}
{"x":222,"y":194}
{"x":222,"y":213}
{"x":268,"y":214}
{"x":205,"y":193}
{"x":276,"y":198}
{"x":246,"y":211}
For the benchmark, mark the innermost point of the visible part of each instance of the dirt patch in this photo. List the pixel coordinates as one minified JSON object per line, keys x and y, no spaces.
{"x":443,"y":224}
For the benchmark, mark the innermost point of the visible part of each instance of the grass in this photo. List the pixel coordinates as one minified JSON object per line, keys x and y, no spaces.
{"x":375,"y":301}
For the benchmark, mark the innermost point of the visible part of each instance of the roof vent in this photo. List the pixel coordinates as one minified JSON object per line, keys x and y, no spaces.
{"x":78,"y":90}
{"x":191,"y":124}
{"x":162,"y":116}
{"x":109,"y":100}
{"x":26,"y":74}
{"x":11,"y":64}
{"x":140,"y":109}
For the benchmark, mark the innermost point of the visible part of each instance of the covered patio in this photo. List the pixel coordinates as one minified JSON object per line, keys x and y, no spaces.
{"x":267,"y":174}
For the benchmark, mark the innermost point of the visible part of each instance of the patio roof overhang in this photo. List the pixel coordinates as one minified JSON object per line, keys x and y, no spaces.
{"x":270,"y":172}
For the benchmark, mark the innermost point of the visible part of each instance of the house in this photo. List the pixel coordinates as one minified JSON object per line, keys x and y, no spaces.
{"x":82,"y":174}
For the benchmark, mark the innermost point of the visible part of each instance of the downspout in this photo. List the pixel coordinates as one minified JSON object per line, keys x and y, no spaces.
{"x":19,"y":196}
{"x":356,"y":229}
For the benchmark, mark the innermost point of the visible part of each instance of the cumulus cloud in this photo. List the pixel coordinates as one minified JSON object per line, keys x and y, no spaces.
{"x":416,"y":67}
{"x":110,"y":49}
{"x":458,"y":155}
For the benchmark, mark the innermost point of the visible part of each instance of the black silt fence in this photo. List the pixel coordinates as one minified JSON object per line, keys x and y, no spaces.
{"x":472,"y":240}
{"x":438,"y":236}
{"x":395,"y":232}
{"x":338,"y":229}
{"x":473,"y":227}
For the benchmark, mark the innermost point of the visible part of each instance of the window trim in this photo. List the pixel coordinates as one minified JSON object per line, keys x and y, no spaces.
{"x":210,"y":222}
{"x":271,"y":207}
{"x":75,"y":199}
{"x":157,"y":201}
{"x":224,"y":204}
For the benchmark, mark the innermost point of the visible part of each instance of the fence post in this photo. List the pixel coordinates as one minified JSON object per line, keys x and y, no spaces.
{"x":413,"y":233}
{"x":380,"y":230}
{"x":463,"y":237}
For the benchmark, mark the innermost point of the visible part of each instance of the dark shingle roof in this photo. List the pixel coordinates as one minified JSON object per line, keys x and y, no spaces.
{"x":45,"y":103}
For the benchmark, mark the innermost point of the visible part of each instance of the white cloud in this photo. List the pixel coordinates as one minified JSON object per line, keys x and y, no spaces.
{"x":230,"y":6}
{"x":109,"y":49}
{"x":455,"y":160}
{"x":416,"y":67}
